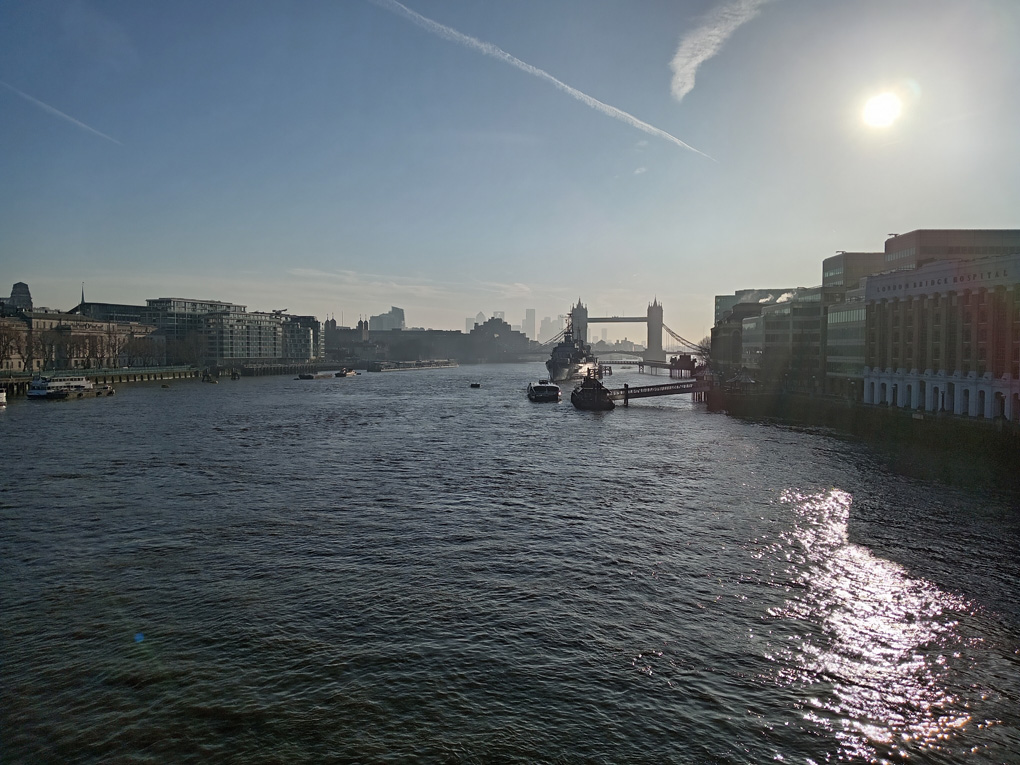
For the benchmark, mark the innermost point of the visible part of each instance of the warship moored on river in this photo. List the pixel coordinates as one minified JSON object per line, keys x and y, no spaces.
{"x":571,"y":358}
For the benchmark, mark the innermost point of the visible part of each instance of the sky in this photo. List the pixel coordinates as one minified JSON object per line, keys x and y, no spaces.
{"x":450,"y":157}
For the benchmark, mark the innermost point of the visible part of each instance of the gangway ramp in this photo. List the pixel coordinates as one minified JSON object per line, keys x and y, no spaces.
{"x":627,"y":392}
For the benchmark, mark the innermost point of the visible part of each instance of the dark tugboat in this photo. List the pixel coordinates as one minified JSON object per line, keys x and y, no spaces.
{"x":592,"y":395}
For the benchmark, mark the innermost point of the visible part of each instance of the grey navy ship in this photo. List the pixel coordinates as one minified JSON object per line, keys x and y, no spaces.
{"x":571,"y":358}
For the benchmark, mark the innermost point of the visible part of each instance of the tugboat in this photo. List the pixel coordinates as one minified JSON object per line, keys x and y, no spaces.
{"x":543,"y":390}
{"x":592,"y":395}
{"x":571,"y":358}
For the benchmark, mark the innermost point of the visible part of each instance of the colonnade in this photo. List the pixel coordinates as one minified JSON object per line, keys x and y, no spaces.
{"x":969,"y":396}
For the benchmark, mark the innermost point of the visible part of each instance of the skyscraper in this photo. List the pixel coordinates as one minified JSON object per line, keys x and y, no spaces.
{"x":529,"y":323}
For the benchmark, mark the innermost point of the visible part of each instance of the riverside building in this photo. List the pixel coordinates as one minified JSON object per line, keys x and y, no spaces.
{"x":844,"y":319}
{"x":784,"y":341}
{"x":946,"y":337}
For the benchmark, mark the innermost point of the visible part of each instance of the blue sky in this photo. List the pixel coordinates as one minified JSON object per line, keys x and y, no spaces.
{"x":337,"y":157}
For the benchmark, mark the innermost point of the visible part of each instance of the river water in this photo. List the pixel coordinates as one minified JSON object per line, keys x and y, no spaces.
{"x":396,"y":566}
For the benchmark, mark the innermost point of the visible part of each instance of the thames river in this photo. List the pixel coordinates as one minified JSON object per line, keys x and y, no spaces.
{"x":398,"y":567}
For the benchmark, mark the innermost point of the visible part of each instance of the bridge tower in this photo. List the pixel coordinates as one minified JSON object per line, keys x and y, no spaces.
{"x":579,"y":321}
{"x":654,"y":345}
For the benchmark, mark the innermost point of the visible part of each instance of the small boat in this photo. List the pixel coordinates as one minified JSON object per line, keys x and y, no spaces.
{"x":3,"y":397}
{"x":544,"y":390}
{"x":305,"y":376}
{"x":476,"y":385}
{"x":592,"y":395}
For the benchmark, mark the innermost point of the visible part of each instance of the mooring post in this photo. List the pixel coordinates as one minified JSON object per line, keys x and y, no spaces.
{"x":626,"y":394}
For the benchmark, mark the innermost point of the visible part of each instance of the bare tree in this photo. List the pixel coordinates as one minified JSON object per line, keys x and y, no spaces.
{"x":113,"y":344}
{"x":8,"y":343}
{"x":21,"y":345}
{"x":704,"y":349}
{"x":43,"y":347}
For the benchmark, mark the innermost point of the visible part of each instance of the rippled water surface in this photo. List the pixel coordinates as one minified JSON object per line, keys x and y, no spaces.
{"x":397,"y":566}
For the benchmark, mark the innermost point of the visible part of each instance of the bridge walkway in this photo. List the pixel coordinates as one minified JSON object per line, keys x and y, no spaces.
{"x":627,"y":392}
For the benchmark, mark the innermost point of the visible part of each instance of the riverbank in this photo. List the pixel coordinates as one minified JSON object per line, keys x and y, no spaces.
{"x":964,"y":451}
{"x":17,"y":385}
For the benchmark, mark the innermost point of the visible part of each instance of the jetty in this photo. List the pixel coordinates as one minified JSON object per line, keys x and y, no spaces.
{"x":597,"y":391}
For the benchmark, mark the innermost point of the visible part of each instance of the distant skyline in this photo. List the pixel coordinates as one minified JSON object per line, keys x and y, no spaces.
{"x":451,"y":157}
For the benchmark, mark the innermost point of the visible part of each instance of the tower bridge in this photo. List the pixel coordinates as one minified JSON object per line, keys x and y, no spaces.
{"x":654,"y":351}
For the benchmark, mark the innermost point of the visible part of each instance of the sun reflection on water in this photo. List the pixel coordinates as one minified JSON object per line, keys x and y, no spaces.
{"x":870,"y":645}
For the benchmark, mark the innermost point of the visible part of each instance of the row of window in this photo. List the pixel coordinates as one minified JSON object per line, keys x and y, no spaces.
{"x":900,"y":254}
{"x":844,"y":317}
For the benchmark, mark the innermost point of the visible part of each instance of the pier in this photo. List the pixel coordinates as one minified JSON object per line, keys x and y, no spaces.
{"x":696,"y":386}
{"x":626,"y":393}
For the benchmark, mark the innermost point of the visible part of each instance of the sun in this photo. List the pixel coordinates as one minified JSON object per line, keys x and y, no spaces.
{"x":882,"y":111}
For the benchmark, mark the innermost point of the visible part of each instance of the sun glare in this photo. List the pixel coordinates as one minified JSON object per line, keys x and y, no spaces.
{"x":882,"y":110}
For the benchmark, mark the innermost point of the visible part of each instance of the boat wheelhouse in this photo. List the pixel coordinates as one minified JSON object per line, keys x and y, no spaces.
{"x":544,"y":390}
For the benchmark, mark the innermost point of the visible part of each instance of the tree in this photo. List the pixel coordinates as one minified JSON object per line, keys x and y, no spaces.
{"x":45,"y":347}
{"x":21,"y":345}
{"x":9,"y":342}
{"x":703,"y":350}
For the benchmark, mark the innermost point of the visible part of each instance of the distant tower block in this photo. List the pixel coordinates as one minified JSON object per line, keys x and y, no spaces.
{"x":654,"y":345}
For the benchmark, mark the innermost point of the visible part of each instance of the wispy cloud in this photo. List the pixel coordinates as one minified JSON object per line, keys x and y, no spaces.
{"x":57,"y":112}
{"x":499,"y":54}
{"x":641,"y":170}
{"x":373,"y":286}
{"x":699,"y":45}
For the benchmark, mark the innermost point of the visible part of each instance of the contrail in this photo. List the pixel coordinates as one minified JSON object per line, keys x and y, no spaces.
{"x":501,"y":55}
{"x":57,"y":112}
{"x":699,"y":45}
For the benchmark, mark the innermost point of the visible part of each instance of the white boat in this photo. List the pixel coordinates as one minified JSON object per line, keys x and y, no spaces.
{"x":544,"y":390}
{"x":49,"y":388}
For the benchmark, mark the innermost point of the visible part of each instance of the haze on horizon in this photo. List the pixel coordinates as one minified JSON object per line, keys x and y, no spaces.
{"x":450,"y":157}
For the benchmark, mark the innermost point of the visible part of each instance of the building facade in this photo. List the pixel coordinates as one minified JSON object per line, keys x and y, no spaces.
{"x":846,"y":345}
{"x":916,"y":248}
{"x":242,"y":337}
{"x":946,"y":337}
{"x":46,"y":340}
